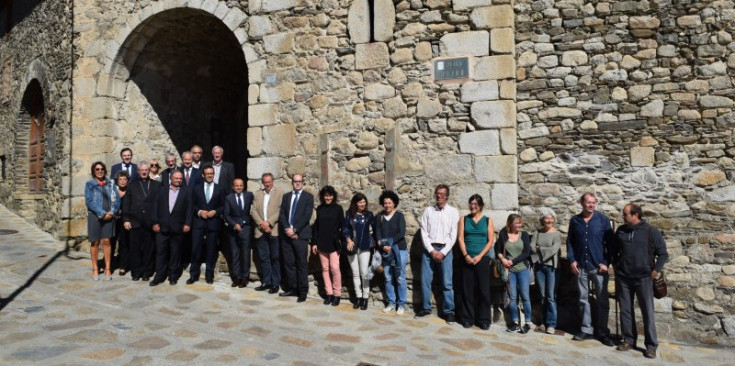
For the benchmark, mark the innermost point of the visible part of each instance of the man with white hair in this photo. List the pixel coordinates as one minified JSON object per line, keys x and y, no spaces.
{"x":137,"y":210}
{"x":224,"y":172}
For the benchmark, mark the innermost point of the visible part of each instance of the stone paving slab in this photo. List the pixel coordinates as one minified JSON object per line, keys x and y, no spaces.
{"x":59,"y":316}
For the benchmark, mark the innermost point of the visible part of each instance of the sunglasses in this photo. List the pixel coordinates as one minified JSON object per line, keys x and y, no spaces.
{"x":156,"y":165}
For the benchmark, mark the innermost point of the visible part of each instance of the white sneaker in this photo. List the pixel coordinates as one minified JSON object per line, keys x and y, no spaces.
{"x":388,"y":308}
{"x":550,"y":330}
{"x":401,"y":310}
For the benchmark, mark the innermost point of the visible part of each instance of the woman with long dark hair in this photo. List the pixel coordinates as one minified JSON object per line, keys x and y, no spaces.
{"x":327,"y":242}
{"x":102,"y":200}
{"x":359,"y":232}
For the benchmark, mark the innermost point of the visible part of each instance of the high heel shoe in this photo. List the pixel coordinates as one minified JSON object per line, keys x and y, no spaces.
{"x":108,"y":275}
{"x":95,"y":275}
{"x":328,"y":300}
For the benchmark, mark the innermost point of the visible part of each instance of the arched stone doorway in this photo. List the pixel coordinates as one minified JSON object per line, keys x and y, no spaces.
{"x":185,"y":83}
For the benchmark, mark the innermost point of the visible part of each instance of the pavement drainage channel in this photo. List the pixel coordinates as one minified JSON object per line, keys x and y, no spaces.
{"x":8,"y":232}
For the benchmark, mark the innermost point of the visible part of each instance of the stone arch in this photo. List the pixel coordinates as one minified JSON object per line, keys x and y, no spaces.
{"x":160,"y":60}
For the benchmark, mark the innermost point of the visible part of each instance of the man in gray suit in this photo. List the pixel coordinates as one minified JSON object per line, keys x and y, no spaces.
{"x":297,"y":207}
{"x":265,"y":211}
{"x":224,"y":172}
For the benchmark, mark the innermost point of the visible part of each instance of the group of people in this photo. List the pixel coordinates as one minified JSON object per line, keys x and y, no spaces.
{"x":193,"y":207}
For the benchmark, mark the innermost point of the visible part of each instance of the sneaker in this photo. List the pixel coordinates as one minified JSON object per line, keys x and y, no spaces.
{"x":401,"y":310}
{"x":513,"y":328}
{"x":389,"y":308}
{"x":525,"y":329}
{"x":550,"y":330}
{"x":450,"y":318}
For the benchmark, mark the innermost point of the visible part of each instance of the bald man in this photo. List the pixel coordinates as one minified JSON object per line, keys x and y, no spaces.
{"x":239,"y":229}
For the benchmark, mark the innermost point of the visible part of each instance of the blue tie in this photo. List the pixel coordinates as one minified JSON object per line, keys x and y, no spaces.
{"x":293,"y":207}
{"x":208,"y":192}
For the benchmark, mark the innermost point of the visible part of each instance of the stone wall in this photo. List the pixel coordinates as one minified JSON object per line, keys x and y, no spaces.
{"x":36,"y":52}
{"x":632,"y":100}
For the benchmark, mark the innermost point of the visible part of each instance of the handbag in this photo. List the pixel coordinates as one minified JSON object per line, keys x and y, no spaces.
{"x":499,"y":271}
{"x":659,"y":283}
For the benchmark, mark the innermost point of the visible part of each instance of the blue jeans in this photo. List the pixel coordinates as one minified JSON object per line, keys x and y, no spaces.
{"x":520,"y":280}
{"x":390,"y":290}
{"x":546,"y":280}
{"x":428,"y":266}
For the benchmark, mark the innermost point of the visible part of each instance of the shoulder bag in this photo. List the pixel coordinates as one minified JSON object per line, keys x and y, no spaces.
{"x":659,"y":283}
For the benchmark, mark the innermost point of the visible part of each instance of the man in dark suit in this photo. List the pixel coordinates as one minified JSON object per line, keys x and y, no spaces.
{"x":237,"y":217}
{"x":207,"y":203}
{"x":126,"y":154}
{"x":172,"y":217}
{"x":170,"y":168}
{"x":137,"y":211}
{"x":296,"y":210}
{"x":224,"y":172}
{"x":192,"y":175}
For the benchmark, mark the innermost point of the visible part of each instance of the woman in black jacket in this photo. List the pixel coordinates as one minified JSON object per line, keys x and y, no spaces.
{"x":327,"y":242}
{"x":513,"y":250}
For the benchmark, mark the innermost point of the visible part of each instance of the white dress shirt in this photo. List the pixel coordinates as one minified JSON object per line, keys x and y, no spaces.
{"x":439,"y":226}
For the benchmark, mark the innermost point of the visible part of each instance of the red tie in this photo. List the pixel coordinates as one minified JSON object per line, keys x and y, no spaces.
{"x":187,"y":176}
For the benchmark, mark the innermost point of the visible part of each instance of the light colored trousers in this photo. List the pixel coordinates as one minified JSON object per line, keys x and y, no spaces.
{"x":359,"y":263}
{"x":330,"y":263}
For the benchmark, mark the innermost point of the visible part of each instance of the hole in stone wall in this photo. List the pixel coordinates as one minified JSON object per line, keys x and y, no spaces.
{"x":2,"y":165}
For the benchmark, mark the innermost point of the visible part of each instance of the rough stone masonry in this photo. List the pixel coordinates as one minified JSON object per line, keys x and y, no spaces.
{"x":629,"y":99}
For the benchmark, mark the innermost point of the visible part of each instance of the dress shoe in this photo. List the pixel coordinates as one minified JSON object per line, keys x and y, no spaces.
{"x":173,"y":282}
{"x":466,"y":325}
{"x":287,"y":293}
{"x":191,"y":280}
{"x":136,"y":278}
{"x":363,"y":304}
{"x":328,"y":300}
{"x":301,"y":299}
{"x":155,"y":282}
{"x":582,"y":337}
{"x":450,"y":318}
{"x":485,"y":326}
{"x":624,"y":347}
{"x":262,"y":288}
{"x":235,"y":283}
{"x":145,"y":278}
{"x":650,"y":353}
{"x":357,"y":303}
{"x":422,"y":313}
{"x":335,"y":301}
{"x":606,"y":341}
{"x":210,"y":280}
{"x":243,"y":284}
{"x":273,"y":290}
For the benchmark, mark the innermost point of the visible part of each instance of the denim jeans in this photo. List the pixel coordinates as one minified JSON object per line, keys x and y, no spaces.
{"x":428,"y":266}
{"x":390,"y":290}
{"x":602,"y":304}
{"x":520,"y":280}
{"x":546,"y":280}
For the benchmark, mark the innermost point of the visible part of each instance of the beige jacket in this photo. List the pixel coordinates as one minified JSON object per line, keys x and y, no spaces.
{"x":274,"y":207}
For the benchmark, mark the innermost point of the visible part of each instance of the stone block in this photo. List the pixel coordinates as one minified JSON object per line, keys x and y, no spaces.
{"x":436,"y":167}
{"x":371,"y":55}
{"x":642,"y":156}
{"x":378,"y":91}
{"x":638,"y":92}
{"x":505,"y":196}
{"x":709,"y":177}
{"x":489,"y":17}
{"x":384,"y":20}
{"x":258,"y":166}
{"x":259,"y":26}
{"x":574,"y":58}
{"x":654,"y":108}
{"x":262,"y":115}
{"x":276,"y":93}
{"x":279,"y":139}
{"x":255,"y":141}
{"x":279,"y":43}
{"x":358,"y":21}
{"x":423,"y":51}
{"x":689,"y":21}
{"x":508,"y":141}
{"x":253,"y":94}
{"x":480,"y":143}
{"x":715,"y":101}
{"x":461,"y":194}
{"x":533,"y":132}
{"x":394,"y":108}
{"x":528,"y":154}
{"x":644,"y":22}
{"x":559,"y":112}
{"x":501,"y":67}
{"x":367,"y":140}
{"x":502,"y":40}
{"x":401,"y":56}
{"x":256,"y":69}
{"x":475,"y":43}
{"x":496,"y":169}
{"x":478,"y":91}
{"x":427,"y":108}
{"x":494,"y":114}
{"x":723,"y":194}
{"x":469,"y":4}
{"x":275,"y":5}
{"x":358,"y":164}
{"x":508,"y":89}
{"x":234,"y":18}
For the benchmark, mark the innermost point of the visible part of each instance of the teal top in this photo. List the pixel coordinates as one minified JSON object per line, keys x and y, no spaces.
{"x":515,"y":249}
{"x":475,"y":235}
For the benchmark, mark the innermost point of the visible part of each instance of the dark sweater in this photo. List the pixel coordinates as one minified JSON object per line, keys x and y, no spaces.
{"x":630,"y":253}
{"x":394,"y":228}
{"x":328,"y":227}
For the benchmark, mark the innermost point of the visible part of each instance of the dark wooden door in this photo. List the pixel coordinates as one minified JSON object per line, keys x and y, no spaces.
{"x":36,"y":148}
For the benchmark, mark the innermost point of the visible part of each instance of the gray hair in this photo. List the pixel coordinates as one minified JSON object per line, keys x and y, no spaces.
{"x":546,"y":212}
{"x":218,"y":147}
{"x":170,"y":155}
{"x":144,"y":163}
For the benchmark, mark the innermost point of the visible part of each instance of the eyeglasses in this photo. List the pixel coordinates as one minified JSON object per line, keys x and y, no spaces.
{"x":297,"y":181}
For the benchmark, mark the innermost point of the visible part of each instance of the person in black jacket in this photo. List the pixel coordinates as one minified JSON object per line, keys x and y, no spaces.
{"x":513,"y":249}
{"x":240,"y":228}
{"x":639,"y":254}
{"x":137,"y":210}
{"x":171,"y":218}
{"x":297,"y":207}
{"x":326,"y":242}
{"x":207,"y":203}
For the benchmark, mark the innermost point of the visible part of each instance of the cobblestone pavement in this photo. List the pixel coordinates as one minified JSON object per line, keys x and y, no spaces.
{"x":53,"y":314}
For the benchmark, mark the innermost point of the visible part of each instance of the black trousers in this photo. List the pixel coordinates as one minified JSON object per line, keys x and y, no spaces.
{"x":295,"y":265}
{"x":121,"y":241}
{"x":168,"y":255}
{"x":142,"y":247}
{"x":203,"y":248}
{"x":475,"y":305}
{"x":270,"y":263}
{"x":627,"y":289}
{"x":240,"y":249}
